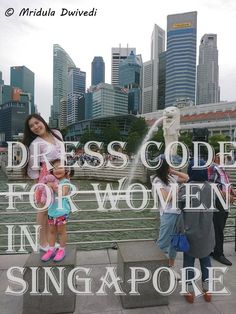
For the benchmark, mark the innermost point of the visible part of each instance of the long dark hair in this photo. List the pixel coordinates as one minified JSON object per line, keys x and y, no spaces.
{"x":29,"y":136}
{"x":163,"y":172}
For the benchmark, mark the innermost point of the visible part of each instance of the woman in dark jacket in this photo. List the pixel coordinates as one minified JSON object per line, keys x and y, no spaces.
{"x":199,"y":228}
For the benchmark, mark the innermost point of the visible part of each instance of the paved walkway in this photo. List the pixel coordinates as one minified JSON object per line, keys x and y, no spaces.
{"x":110,"y":304}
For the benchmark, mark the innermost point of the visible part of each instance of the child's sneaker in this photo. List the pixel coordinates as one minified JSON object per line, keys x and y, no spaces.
{"x":48,"y":255}
{"x":60,"y":255}
{"x":44,"y":248}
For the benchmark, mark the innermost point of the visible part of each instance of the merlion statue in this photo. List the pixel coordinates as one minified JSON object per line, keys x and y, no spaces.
{"x":171,"y":126}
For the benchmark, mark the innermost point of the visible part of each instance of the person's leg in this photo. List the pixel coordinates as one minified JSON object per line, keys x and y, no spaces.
{"x":52,"y":239}
{"x":205,"y":262}
{"x":52,"y":236}
{"x":188,"y":261}
{"x":42,"y":220}
{"x":167,"y":229}
{"x":61,"y":230}
{"x":219,"y":219}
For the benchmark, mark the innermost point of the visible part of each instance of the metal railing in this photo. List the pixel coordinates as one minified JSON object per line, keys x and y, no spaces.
{"x":108,"y":233}
{"x":103,"y":228}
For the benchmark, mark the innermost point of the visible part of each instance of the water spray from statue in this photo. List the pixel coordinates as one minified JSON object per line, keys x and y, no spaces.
{"x":171,"y":125}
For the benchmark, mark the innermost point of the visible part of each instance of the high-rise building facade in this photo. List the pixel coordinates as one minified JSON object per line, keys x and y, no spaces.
{"x":130,"y":79}
{"x":162,"y":80}
{"x":6,"y":93}
{"x":63,"y":113}
{"x":61,"y":63}
{"x":76,"y":90}
{"x":109,"y":100}
{"x":151,"y":74}
{"x":118,"y":55}
{"x":88,"y":98}
{"x":1,"y":79}
{"x":147,"y":86}
{"x":157,"y":47}
{"x":23,"y":78}
{"x":208,"y":90}
{"x":1,"y":85}
{"x":12,"y":119}
{"x":181,"y":57}
{"x":98,"y":71}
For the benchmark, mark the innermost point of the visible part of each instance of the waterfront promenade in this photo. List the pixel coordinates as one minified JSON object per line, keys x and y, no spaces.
{"x":97,"y":260}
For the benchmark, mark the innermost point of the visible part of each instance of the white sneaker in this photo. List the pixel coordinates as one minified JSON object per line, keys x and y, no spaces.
{"x":44,"y":248}
{"x":176,"y":273}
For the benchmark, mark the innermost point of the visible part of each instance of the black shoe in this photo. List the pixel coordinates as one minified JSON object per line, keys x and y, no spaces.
{"x":222,"y":259}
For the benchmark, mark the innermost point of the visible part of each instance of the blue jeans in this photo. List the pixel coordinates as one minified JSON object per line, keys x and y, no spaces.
{"x":167,"y":229}
{"x":204,"y":262}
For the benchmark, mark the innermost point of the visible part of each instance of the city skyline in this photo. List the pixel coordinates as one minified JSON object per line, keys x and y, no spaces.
{"x":33,"y":40}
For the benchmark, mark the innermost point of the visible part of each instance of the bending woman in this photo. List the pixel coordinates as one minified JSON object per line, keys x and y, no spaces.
{"x":49,"y":142}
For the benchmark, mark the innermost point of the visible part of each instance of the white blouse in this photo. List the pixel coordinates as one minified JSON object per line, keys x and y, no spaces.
{"x":51,"y":151}
{"x":168,"y":208}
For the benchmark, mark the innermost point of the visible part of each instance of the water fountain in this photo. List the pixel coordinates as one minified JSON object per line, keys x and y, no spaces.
{"x":171,"y":126}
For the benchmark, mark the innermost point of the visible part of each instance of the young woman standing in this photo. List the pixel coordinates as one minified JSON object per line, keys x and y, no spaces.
{"x":164,"y":176}
{"x":49,"y":144}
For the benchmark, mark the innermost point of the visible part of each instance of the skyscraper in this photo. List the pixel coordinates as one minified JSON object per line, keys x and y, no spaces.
{"x":208,"y":90}
{"x":147,"y":87}
{"x":76,"y":89}
{"x":109,"y":100}
{"x":150,"y":101}
{"x":63,"y":113}
{"x":98,"y":71}
{"x":1,"y":80}
{"x":117,"y":55}
{"x":61,"y":63}
{"x":1,"y":85}
{"x":23,"y":78}
{"x":162,"y":80}
{"x":12,"y":119}
{"x":181,"y":57}
{"x":157,"y":47}
{"x":130,"y":78}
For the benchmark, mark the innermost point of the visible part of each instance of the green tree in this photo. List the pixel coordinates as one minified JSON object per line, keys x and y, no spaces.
{"x":214,"y":139}
{"x":185,"y":138}
{"x":157,"y":137}
{"x":111,"y":133}
{"x":133,"y":142}
{"x":138,"y":129}
{"x":139,"y":125}
{"x":64,"y":132}
{"x":87,"y":136}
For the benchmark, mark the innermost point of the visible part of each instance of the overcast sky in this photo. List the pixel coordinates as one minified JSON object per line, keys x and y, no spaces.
{"x":28,"y":40}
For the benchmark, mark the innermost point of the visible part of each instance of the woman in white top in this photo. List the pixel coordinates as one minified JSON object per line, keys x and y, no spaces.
{"x":39,"y":138}
{"x":168,"y":216}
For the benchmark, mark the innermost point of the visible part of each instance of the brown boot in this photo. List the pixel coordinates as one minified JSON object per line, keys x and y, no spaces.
{"x":207,"y":296}
{"x":189,"y":297}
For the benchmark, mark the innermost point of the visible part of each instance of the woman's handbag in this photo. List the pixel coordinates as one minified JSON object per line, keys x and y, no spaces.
{"x":179,"y":240}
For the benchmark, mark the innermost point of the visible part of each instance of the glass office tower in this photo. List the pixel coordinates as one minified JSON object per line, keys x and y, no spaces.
{"x":181,"y":58}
